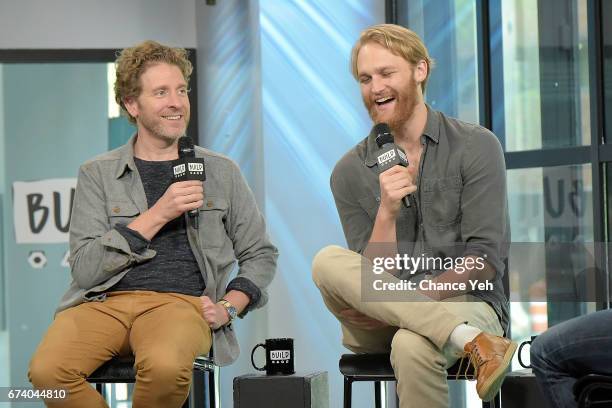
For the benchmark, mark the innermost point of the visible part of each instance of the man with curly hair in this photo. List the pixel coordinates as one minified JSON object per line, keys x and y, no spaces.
{"x":146,"y":280}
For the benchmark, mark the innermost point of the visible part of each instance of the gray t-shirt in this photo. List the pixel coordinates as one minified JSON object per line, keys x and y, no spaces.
{"x":174,"y":268}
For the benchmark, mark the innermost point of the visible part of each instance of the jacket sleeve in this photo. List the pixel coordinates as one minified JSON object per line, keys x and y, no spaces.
{"x":97,"y":251}
{"x":255,"y":253}
{"x":484,"y":206}
{"x":356,"y":223}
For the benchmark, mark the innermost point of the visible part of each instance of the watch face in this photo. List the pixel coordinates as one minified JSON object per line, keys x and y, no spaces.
{"x":232,"y":312}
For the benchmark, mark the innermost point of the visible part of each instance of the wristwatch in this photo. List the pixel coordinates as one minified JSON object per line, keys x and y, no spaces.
{"x":231,"y":310}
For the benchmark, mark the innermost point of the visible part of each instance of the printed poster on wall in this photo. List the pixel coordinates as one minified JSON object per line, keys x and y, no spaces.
{"x":41,"y":210}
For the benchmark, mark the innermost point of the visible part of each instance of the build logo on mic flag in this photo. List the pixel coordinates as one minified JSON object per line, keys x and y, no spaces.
{"x":386,"y":157}
{"x":391,"y":155}
{"x":191,"y":168}
{"x":179,"y":170}
{"x":196,"y":168}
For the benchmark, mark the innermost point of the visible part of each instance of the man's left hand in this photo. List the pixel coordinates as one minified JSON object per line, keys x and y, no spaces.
{"x":214,"y":314}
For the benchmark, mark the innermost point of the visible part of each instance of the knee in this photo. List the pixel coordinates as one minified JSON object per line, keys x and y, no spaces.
{"x":321,"y":264}
{"x":43,"y":371}
{"x":537,"y":352}
{"x":166,"y":371}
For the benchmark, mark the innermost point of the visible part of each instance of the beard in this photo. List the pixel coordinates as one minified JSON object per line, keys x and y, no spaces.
{"x":156,"y":127}
{"x":406,"y":100}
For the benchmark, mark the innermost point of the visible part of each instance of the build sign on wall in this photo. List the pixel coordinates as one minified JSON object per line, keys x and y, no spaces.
{"x":42,"y":209}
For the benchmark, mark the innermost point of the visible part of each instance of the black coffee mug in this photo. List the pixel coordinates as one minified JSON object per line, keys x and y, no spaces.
{"x":279,"y":356}
{"x":523,"y":344}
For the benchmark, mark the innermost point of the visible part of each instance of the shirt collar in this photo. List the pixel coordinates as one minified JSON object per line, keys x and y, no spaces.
{"x":432,"y":131}
{"x":126,"y":158}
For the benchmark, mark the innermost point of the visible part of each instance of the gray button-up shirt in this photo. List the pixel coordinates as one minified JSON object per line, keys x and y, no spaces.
{"x":109,"y":192}
{"x":461,"y":201}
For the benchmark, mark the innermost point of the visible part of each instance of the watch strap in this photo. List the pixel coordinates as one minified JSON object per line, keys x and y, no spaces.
{"x":231,"y":309}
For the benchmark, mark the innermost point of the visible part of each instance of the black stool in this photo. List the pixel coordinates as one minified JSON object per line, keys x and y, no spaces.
{"x":121,"y":370}
{"x":593,"y":390}
{"x":377,"y":368}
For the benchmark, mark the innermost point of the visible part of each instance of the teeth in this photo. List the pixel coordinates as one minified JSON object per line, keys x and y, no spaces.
{"x":176,"y":117}
{"x":385,"y":99}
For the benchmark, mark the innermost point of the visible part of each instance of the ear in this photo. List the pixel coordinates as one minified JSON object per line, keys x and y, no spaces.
{"x":131,"y":105}
{"x":420,"y":71}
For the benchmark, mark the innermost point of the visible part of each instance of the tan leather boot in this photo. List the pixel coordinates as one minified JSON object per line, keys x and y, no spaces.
{"x":491,"y":356}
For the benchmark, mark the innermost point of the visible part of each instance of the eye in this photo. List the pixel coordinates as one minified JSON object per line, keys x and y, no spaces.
{"x":364,"y":79}
{"x":184,"y":91}
{"x":387,"y":74}
{"x":160,"y":93}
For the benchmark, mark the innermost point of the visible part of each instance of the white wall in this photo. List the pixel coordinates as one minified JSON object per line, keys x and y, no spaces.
{"x":96,"y":23}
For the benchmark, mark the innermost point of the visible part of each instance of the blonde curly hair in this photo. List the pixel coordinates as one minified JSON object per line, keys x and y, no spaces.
{"x":132,"y":62}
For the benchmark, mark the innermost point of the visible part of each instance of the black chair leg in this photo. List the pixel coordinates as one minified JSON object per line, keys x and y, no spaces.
{"x":377,"y":393}
{"x":101,"y":390}
{"x":211,"y":389}
{"x":494,"y":403}
{"x":199,"y":389}
{"x":348,"y":392}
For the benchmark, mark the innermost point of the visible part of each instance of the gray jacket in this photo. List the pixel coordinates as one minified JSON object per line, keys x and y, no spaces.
{"x":460,"y":204}
{"x":109,"y":191}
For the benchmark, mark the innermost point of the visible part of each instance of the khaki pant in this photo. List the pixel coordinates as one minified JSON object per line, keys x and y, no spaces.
{"x":418,"y":332}
{"x":164,"y":331}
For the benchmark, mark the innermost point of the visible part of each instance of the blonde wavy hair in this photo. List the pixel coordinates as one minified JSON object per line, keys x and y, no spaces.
{"x":400,"y":41}
{"x":132,"y":62}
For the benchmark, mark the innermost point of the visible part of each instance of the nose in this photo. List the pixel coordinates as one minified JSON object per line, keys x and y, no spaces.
{"x":377,"y":84}
{"x":176,"y":100}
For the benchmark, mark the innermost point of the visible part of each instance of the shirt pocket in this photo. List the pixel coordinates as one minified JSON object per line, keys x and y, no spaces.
{"x":441,"y":201}
{"x":213,"y":214}
{"x":370,"y":204}
{"x":121,"y":212}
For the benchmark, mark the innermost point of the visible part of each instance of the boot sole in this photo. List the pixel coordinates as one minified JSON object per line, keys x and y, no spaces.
{"x":495,"y":380}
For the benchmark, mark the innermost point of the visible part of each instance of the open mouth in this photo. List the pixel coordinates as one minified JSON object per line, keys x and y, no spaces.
{"x":384,"y":101}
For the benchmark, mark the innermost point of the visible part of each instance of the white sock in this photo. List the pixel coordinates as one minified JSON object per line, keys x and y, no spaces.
{"x":462,"y":335}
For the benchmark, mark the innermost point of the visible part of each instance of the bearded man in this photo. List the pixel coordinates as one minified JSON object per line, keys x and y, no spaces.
{"x":456,"y":184}
{"x":147,"y":279}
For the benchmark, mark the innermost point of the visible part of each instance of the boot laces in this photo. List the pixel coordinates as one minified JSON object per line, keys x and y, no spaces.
{"x":474,"y":359}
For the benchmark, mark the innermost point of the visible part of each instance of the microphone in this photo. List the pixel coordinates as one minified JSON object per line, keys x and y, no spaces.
{"x":188,"y":167}
{"x":389,"y":154}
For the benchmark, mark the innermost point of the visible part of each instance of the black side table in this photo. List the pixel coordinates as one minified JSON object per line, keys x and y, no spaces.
{"x":300,"y":390}
{"x":520,"y":390}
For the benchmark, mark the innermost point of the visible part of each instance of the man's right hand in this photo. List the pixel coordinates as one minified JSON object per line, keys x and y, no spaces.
{"x":179,"y":198}
{"x":395,"y":183}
